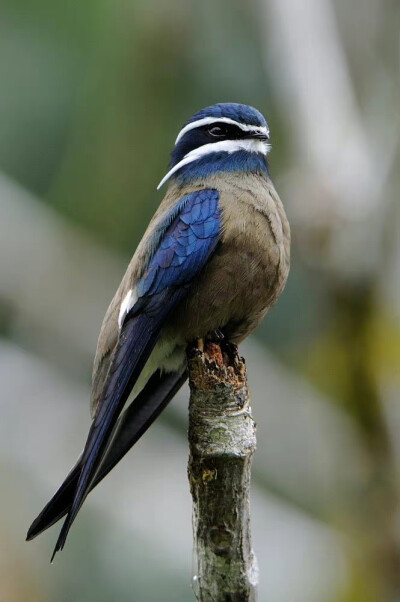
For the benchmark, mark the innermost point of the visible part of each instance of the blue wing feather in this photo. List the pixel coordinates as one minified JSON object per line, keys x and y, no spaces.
{"x":182,"y":248}
{"x":192,"y":235}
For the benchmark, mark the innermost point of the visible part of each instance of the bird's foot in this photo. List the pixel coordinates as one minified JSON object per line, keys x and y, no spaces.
{"x":215,"y":336}
{"x":217,"y":339}
{"x":216,"y":346}
{"x":230,"y":351}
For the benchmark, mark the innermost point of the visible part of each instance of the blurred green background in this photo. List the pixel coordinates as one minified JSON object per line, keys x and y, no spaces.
{"x":92,"y":96}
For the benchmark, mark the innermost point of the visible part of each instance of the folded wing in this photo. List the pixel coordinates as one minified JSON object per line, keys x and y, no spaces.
{"x":186,"y":245}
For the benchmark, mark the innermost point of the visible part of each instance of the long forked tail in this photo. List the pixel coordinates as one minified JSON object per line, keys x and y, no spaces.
{"x":136,"y":341}
{"x":132,"y":424}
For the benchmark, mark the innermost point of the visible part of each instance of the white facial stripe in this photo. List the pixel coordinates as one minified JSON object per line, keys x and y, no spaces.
{"x":126,"y":305}
{"x":208,"y":120}
{"x":251,"y":145}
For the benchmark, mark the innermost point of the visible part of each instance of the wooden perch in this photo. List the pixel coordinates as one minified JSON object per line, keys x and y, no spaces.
{"x":222,"y":442}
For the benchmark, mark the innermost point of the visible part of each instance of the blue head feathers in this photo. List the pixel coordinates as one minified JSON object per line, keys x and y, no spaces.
{"x":241,"y":113}
{"x":222,"y":137}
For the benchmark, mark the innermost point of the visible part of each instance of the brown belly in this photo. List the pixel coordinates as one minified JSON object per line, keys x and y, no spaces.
{"x":237,"y":287}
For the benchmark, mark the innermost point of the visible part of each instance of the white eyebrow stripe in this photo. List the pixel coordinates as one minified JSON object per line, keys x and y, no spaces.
{"x":208,"y":120}
{"x":229,"y":146}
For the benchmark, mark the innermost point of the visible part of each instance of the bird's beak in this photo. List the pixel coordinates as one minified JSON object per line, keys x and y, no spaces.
{"x":262,"y":134}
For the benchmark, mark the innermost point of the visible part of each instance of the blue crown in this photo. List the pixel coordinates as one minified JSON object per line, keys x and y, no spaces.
{"x":233,"y":110}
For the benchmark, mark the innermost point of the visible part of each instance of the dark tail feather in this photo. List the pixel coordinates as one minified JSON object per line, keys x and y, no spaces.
{"x":132,"y":424}
{"x":135,"y":344}
{"x":58,"y":505}
{"x":139,"y":416}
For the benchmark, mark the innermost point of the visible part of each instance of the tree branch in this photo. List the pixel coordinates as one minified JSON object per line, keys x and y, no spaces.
{"x":222,"y":441}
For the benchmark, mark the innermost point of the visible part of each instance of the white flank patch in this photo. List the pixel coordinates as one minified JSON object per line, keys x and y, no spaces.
{"x":208,"y":120}
{"x":126,"y":305}
{"x":250,"y":145}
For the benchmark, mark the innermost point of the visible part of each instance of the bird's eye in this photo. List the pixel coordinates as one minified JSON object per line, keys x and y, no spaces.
{"x":217,"y":132}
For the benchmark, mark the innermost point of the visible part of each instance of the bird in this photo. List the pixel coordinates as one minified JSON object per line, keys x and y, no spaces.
{"x":214,"y":259}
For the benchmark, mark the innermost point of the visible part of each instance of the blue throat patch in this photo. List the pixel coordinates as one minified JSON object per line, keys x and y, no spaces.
{"x":222,"y":162}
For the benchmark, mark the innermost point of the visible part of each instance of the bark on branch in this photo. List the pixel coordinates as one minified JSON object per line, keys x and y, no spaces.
{"x":222,"y":442}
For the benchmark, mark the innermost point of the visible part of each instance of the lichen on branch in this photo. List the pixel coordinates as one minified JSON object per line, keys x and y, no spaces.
{"x":222,"y":442}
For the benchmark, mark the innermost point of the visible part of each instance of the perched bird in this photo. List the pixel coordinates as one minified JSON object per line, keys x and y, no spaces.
{"x":214,"y":259}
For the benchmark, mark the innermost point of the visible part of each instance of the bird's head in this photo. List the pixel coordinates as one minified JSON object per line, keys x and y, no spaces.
{"x":221,"y":132}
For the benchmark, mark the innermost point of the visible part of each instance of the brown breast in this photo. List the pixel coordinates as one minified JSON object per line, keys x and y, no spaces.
{"x":250,"y":266}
